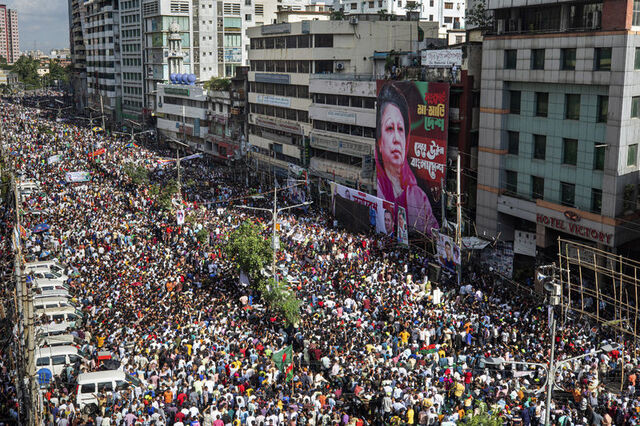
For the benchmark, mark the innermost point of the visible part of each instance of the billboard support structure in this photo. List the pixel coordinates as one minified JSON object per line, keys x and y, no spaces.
{"x":458,"y":216}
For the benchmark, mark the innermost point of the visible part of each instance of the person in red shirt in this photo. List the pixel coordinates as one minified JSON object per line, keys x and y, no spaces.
{"x":181,"y":397}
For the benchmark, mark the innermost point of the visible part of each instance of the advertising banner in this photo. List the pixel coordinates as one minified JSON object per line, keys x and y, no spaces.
{"x":381,"y":213}
{"x":403,"y":233}
{"x":441,"y":58}
{"x":448,"y":252}
{"x":411,"y":148}
{"x":77,"y":176}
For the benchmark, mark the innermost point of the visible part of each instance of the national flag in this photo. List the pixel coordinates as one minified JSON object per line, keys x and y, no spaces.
{"x":23,"y":232}
{"x":131,"y":145}
{"x":284,"y":361}
{"x":98,"y":152}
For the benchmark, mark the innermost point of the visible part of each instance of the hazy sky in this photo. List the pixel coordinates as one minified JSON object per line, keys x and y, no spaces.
{"x":45,"y":22}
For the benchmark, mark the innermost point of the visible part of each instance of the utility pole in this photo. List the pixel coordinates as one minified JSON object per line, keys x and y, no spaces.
{"x":552,"y":373}
{"x":443,"y":202}
{"x":102,"y":113}
{"x":178,"y":166}
{"x":459,"y":218}
{"x":276,"y":242}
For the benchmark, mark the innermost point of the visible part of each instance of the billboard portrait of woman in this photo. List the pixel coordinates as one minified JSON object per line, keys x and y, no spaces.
{"x":396,"y":181}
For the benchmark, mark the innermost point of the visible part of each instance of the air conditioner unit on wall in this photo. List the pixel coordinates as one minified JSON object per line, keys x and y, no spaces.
{"x":353,"y":20}
{"x":339,"y":66}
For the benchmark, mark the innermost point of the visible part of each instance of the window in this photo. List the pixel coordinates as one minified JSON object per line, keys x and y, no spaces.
{"x":628,"y":197}
{"x":41,"y":362}
{"x":635,"y":107}
{"x":636,"y":13}
{"x":596,"y":200}
{"x":567,"y":194}
{"x":568,"y":59}
{"x":537,"y":59}
{"x":514,"y":102}
{"x":636,"y":62}
{"x":512,"y":182}
{"x":59,"y":360}
{"x":247,"y":17}
{"x":323,"y":40}
{"x":431,"y":2}
{"x":603,"y":109}
{"x":510,"y":59}
{"x":542,"y":104}
{"x":539,"y":147}
{"x":88,"y":388}
{"x":354,"y":6}
{"x":598,"y":156}
{"x":370,"y":4}
{"x":514,"y":140}
{"x":572,"y":107}
{"x":570,"y":151}
{"x":448,"y":19}
{"x":632,"y":155}
{"x":448,"y":5}
{"x":537,"y":187}
{"x":602,"y":59}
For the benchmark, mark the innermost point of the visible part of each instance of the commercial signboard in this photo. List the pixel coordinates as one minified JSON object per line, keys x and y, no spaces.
{"x":444,"y":58}
{"x":524,"y":243}
{"x":262,"y":77}
{"x":277,"y":125}
{"x":575,"y":228}
{"x":279,"y":101}
{"x":345,"y":117}
{"x":411,"y":148}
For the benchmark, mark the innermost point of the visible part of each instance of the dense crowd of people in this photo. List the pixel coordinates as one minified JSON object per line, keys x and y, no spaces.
{"x":377,"y":343}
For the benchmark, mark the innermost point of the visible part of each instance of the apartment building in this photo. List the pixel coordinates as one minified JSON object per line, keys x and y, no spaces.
{"x":131,"y":45}
{"x":286,"y":60}
{"x":9,"y":36}
{"x":559,"y":124}
{"x":448,"y":13}
{"x":78,"y":75}
{"x":101,"y":35}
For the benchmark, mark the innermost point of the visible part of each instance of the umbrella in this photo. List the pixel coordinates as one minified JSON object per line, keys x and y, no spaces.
{"x":41,"y":228}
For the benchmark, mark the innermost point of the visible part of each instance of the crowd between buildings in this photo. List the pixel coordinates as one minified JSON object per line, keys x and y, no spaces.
{"x":378,"y":343}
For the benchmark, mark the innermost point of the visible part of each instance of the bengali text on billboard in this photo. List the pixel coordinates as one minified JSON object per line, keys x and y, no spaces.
{"x":411,"y":149}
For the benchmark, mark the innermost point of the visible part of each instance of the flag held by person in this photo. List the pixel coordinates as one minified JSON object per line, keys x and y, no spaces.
{"x":284,"y":361}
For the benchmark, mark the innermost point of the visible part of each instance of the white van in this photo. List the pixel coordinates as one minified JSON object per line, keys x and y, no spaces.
{"x":28,"y":187}
{"x":53,"y":302}
{"x":50,"y":291}
{"x":49,"y":283}
{"x":91,"y":384}
{"x":48,"y":266}
{"x":68,"y":314}
{"x":56,"y":358}
{"x":52,"y":329}
{"x":60,"y":340}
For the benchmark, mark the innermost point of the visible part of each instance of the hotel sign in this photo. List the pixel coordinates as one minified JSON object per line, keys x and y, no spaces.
{"x":573,"y":228}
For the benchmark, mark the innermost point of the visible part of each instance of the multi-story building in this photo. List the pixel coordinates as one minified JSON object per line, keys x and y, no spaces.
{"x":312,"y":93}
{"x":78,"y":75}
{"x":131,"y":57}
{"x":182,"y":114}
{"x":102,"y":52}
{"x":448,"y":13}
{"x":559,"y":124}
{"x":9,"y":37}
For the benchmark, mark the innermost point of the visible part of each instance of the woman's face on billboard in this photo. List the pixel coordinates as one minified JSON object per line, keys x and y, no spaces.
{"x":392,"y":138}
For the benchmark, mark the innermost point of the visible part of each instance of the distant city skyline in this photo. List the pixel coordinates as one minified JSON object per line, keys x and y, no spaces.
{"x":45,"y":22}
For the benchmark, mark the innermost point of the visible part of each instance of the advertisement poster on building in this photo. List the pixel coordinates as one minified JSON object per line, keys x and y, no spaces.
{"x":411,"y":149}
{"x":381,"y":213}
{"x":403,"y":233}
{"x":448,"y":252}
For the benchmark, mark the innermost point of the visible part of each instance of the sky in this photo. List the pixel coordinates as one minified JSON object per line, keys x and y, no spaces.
{"x":45,"y":22}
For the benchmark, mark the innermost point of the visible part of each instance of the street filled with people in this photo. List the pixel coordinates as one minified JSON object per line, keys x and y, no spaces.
{"x":379,"y":341}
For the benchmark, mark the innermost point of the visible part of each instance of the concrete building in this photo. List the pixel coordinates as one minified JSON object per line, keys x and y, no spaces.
{"x":286,"y":58}
{"x":182,"y":114}
{"x":78,"y":75}
{"x":8,"y":78}
{"x":448,"y":13}
{"x":131,"y":57}
{"x":559,"y":124}
{"x":9,"y":36}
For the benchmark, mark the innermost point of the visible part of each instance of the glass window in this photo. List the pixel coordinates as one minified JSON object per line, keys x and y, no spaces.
{"x":59,"y":360}
{"x":572,"y":107}
{"x":632,"y":155}
{"x":537,"y":59}
{"x":596,"y":200}
{"x":636,"y":62}
{"x":568,"y":59}
{"x":628,"y":197}
{"x":539,"y":147}
{"x":636,"y":13}
{"x":41,"y":362}
{"x":603,"y":59}
{"x":514,"y":139}
{"x":514,"y":102}
{"x":292,"y":42}
{"x":304,"y":41}
{"x":512,"y":182}
{"x":88,"y":388}
{"x":570,"y":151}
{"x":542,"y":104}
{"x":105,"y":387}
{"x":567,"y":194}
{"x":510,"y":59}
{"x":635,"y":107}
{"x":537,"y":187}
{"x":323,"y":40}
{"x":598,"y":156}
{"x":603,"y":108}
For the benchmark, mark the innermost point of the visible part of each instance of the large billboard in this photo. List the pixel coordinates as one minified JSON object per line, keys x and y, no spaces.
{"x":411,"y":148}
{"x":380,"y":214}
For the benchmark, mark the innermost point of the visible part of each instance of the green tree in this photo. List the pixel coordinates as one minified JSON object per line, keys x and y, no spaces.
{"x":479,"y":16}
{"x":250,"y":250}
{"x":337,"y":15}
{"x":384,"y":16}
{"x":217,"y":84}
{"x":164,"y":194}
{"x":58,"y":72}
{"x":27,"y":70}
{"x":138,"y":174}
